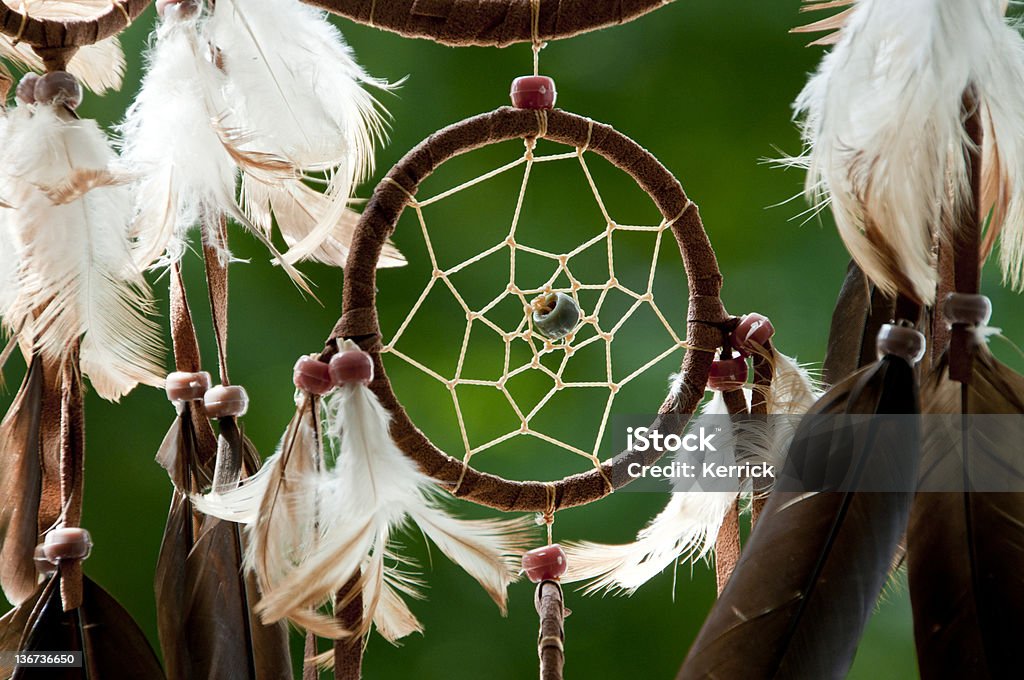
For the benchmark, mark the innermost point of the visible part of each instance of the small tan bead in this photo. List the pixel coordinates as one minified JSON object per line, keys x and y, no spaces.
{"x":67,"y":543}
{"x":182,"y":386}
{"x":225,"y":401}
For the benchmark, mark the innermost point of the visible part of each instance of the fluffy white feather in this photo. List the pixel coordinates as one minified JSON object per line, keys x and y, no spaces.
{"x":371,"y":492}
{"x":688,"y":526}
{"x":170,"y":141}
{"x":883,"y":130}
{"x":181,"y":140}
{"x":299,"y":99}
{"x":77,"y":279}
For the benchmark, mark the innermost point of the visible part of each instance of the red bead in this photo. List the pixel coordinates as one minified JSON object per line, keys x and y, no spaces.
{"x":351,"y":366}
{"x":43,"y":565}
{"x":26,"y":90}
{"x":753,"y":332}
{"x":728,"y":374}
{"x":67,"y":543}
{"x":225,"y":401}
{"x":182,"y":386}
{"x":900,"y":341}
{"x":533,"y":92}
{"x":313,"y":376}
{"x":58,"y":87}
{"x":545,"y":564}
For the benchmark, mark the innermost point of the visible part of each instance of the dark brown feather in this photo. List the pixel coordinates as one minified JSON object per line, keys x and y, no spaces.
{"x":966,"y":549}
{"x":860,"y":311}
{"x":207,"y":627}
{"x":112,"y":646}
{"x":809,"y":577}
{"x":13,"y":625}
{"x":20,"y":479}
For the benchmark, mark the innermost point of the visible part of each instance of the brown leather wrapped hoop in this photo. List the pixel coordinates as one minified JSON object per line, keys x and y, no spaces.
{"x":707,"y":322}
{"x":488,"y":23}
{"x":70,"y":33}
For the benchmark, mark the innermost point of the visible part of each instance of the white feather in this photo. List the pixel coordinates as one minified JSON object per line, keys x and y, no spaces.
{"x":171,"y":142}
{"x":688,"y":526}
{"x":883,"y":130}
{"x":77,"y":278}
{"x":181,"y":140}
{"x":99,"y":67}
{"x":278,"y":503}
{"x":300,"y":99}
{"x":372,"y":491}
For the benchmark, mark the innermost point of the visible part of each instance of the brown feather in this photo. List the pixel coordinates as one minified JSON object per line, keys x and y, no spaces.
{"x":966,"y":550}
{"x":111,"y":643}
{"x":207,"y":626}
{"x":20,"y":480}
{"x":808,"y":579}
{"x":81,"y":182}
{"x":13,"y":625}
{"x":860,"y":311}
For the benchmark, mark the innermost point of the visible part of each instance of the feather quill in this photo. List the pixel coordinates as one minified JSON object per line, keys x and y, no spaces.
{"x":371,"y":493}
{"x":688,"y":526}
{"x":882,"y":125}
{"x":77,"y":277}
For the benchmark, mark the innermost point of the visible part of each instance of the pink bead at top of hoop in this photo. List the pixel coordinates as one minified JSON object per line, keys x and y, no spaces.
{"x":312,"y":375}
{"x":728,"y":374}
{"x":753,"y":332}
{"x":545,"y":564}
{"x":534,"y":92}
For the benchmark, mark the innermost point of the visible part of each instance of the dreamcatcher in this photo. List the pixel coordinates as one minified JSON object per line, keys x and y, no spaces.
{"x":322,"y":516}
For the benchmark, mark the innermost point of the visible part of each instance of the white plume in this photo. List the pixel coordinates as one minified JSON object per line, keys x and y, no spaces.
{"x":883,"y":129}
{"x":371,"y":492}
{"x":302,"y":100}
{"x":688,"y":526}
{"x":180,"y":138}
{"x":76,"y":278}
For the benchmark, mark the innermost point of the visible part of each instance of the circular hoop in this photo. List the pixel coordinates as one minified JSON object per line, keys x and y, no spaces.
{"x":707,"y":320}
{"x":53,"y":34}
{"x":488,"y":23}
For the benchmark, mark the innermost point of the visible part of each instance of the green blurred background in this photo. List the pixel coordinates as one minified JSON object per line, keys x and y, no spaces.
{"x":706,"y":86}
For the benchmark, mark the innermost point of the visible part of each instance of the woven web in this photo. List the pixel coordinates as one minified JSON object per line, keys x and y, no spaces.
{"x":540,"y":346}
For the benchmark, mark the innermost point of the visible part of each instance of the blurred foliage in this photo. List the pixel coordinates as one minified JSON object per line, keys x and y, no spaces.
{"x":706,"y":86}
